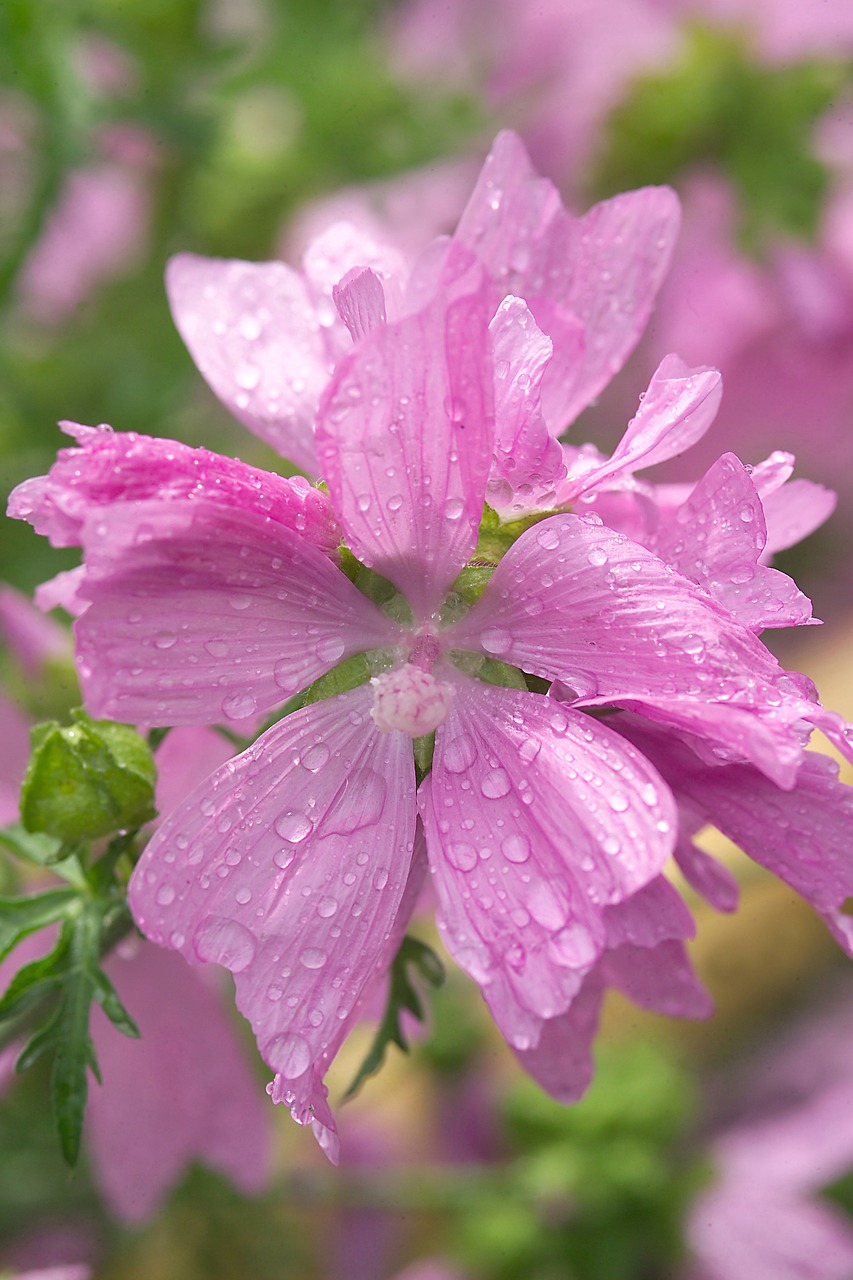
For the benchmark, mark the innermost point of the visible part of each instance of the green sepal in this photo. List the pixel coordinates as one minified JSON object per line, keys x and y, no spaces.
{"x":25,"y":915}
{"x":87,"y":779}
{"x":347,"y":675}
{"x":501,"y":673}
{"x":32,"y":846}
{"x":401,"y":996}
{"x":424,"y":748}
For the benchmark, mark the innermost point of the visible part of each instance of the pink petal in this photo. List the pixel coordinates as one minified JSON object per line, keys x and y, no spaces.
{"x":528,"y":463}
{"x":330,"y":256}
{"x":199,"y":610}
{"x":360,"y":301}
{"x":184,"y":1092}
{"x":562,"y":1060}
{"x":572,"y":600}
{"x":716,"y":539}
{"x":288,"y":866}
{"x":659,"y":978}
{"x":675,"y":412}
{"x":405,"y":440}
{"x":801,"y":834}
{"x":603,"y":270}
{"x":709,"y":878}
{"x":111,"y":467}
{"x":252,"y":330}
{"x":535,"y":819}
{"x":794,"y":511}
{"x":655,"y":914}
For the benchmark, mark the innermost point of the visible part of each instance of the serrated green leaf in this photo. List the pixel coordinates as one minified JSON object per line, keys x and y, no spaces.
{"x":402,"y":996}
{"x":87,"y":779}
{"x":108,"y":998}
{"x":22,"y":916}
{"x":37,"y":979}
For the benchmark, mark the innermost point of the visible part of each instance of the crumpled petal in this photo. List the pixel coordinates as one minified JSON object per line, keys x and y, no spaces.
{"x":528,"y":462}
{"x":603,"y":270}
{"x":182,"y":1093}
{"x":288,"y":867}
{"x":676,"y":411}
{"x":405,"y":441}
{"x":535,"y":820}
{"x":113,"y":467}
{"x":199,"y":610}
{"x":254,"y":334}
{"x":716,"y":539}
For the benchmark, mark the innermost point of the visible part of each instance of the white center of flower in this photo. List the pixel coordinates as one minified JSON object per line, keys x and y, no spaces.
{"x":411,"y":700}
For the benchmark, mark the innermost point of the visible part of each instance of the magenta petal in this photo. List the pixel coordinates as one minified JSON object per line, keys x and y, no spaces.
{"x":288,"y":867}
{"x":603,"y":270}
{"x":562,"y":1062}
{"x":184,"y":1092}
{"x":659,"y":978}
{"x":405,"y":442}
{"x":360,"y":301}
{"x":675,"y":412}
{"x":716,"y":538}
{"x":199,"y":611}
{"x":252,"y":330}
{"x":117,"y":467}
{"x":528,"y":462}
{"x":794,"y":511}
{"x":656,"y":913}
{"x":572,"y":600}
{"x":535,"y":819}
{"x":708,"y":877}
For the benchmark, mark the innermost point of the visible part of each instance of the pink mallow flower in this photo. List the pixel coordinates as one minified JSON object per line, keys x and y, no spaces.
{"x":213,"y":591}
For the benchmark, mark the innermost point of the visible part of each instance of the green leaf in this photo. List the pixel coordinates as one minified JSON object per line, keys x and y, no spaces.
{"x":401,"y":996}
{"x":31,"y":846}
{"x":24,"y":915}
{"x":87,"y":779}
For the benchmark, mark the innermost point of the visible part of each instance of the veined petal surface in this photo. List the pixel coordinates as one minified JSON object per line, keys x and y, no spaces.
{"x":535,"y":819}
{"x":572,"y":600}
{"x":199,"y":611}
{"x":404,"y":439}
{"x":288,"y":867}
{"x":254,"y":334}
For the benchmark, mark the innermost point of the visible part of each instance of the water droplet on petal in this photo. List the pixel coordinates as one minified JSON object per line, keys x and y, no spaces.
{"x":495,"y":784}
{"x":516,"y":848}
{"x":314,"y":758}
{"x":459,"y":753}
{"x":225,"y":942}
{"x":293,"y":826}
{"x":165,"y":639}
{"x":327,"y":907}
{"x":453,"y":508}
{"x":496,"y":639}
{"x":165,"y":895}
{"x":239,"y":705}
{"x":462,"y":856}
{"x":313,"y":958}
{"x":289,"y":1055}
{"x":574,"y":946}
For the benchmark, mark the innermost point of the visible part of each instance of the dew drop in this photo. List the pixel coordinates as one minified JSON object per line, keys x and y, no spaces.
{"x":453,"y":508}
{"x":165,"y":639}
{"x":462,"y":856}
{"x":329,"y":648}
{"x":496,"y":639}
{"x":225,"y":942}
{"x":239,"y":602}
{"x":239,"y":705}
{"x":289,"y":1055}
{"x":315,"y":757}
{"x":495,"y":784}
{"x":165,"y":895}
{"x":242,"y":896}
{"x":459,"y":753}
{"x":597,"y":556}
{"x":313,"y":958}
{"x":516,"y":848}
{"x":327,"y":907}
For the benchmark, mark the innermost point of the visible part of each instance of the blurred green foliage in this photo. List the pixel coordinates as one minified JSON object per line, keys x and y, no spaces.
{"x":719,"y":104}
